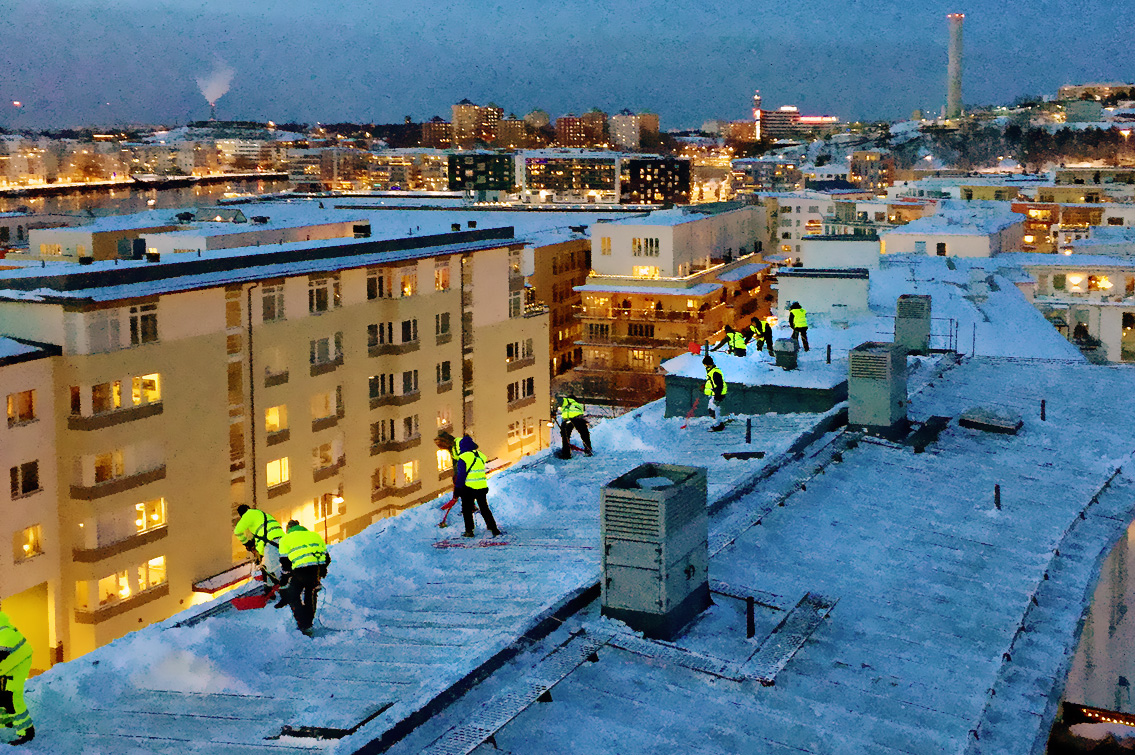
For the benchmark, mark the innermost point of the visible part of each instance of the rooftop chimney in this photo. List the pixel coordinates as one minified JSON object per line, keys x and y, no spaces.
{"x":954,"y":67}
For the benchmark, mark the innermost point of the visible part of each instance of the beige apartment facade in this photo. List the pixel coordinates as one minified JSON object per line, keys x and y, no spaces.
{"x":307,"y":381}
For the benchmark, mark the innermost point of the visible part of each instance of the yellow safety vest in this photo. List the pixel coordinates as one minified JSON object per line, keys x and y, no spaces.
{"x":571,"y":408}
{"x":11,"y":640}
{"x":454,"y":451}
{"x":475,"y":475}
{"x":302,"y":547}
{"x":799,"y":318}
{"x":259,"y":526}
{"x":709,"y":381}
{"x":736,"y":340}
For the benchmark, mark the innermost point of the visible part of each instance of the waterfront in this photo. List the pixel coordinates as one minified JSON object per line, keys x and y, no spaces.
{"x":127,"y":199}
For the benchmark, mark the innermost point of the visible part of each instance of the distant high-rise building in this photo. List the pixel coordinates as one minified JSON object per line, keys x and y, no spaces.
{"x":466,"y":123}
{"x":872,"y":169}
{"x":594,"y":123}
{"x":437,"y":133}
{"x":627,"y":128}
{"x":512,"y":133}
{"x":489,"y":118}
{"x":570,"y":132}
{"x":954,"y":67}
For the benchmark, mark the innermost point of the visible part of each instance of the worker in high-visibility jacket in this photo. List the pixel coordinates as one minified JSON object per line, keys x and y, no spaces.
{"x":304,"y":557}
{"x":798,"y":319}
{"x":446,"y":442}
{"x":761,"y":332}
{"x":716,"y":389}
{"x":572,"y":417}
{"x":15,"y":665}
{"x":471,"y":481}
{"x":735,"y":340}
{"x":260,"y":533}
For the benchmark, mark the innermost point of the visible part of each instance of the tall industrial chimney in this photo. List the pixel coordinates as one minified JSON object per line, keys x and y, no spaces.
{"x":757,"y":115}
{"x":954,"y":67}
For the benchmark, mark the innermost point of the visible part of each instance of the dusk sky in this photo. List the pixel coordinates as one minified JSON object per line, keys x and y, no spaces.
{"x":76,"y":62}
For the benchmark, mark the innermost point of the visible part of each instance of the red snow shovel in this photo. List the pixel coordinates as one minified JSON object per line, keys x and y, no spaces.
{"x":255,"y":600}
{"x":447,"y":507}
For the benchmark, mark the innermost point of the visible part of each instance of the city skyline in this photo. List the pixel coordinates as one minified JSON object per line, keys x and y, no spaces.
{"x":133,"y":62}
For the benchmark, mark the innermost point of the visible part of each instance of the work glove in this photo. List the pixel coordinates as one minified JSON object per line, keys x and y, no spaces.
{"x":322,"y":571}
{"x":250,"y":546}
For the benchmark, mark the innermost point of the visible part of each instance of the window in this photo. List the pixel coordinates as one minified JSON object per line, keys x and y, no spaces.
{"x":383,"y":478}
{"x":143,"y":324}
{"x":444,"y":417}
{"x":409,"y":382}
{"x":408,"y":281}
{"x":378,"y":284}
{"x":409,"y":331}
{"x":150,"y":515}
{"x":529,"y":427}
{"x":643,"y":271}
{"x":786,"y":235}
{"x":76,"y":401}
{"x":600,"y":331}
{"x":323,"y":405}
{"x":443,"y":373}
{"x":146,"y":389}
{"x":109,"y":466}
{"x":1115,"y":221}
{"x":641,"y":359}
{"x":380,"y":334}
{"x":232,"y":308}
{"x":521,"y":389}
{"x":152,"y":573}
{"x":114,"y":588}
{"x":786,"y":208}
{"x":327,"y":350}
{"x":941,"y":248}
{"x":515,"y":303}
{"x":323,"y":294}
{"x":1059,"y":281}
{"x":276,"y":419}
{"x":381,"y":385}
{"x":382,"y":432}
{"x":27,"y":543}
{"x":277,"y":473}
{"x":103,"y":331}
{"x":410,"y":427}
{"x":322,"y":456}
{"x":605,"y":245}
{"x":441,"y":275}
{"x":324,"y":507}
{"x":410,"y":472}
{"x":444,"y":460}
{"x":106,"y":397}
{"x":920,"y":247}
{"x":814,"y":208}
{"x":513,"y":432}
{"x":273,"y":303}
{"x":638,"y":330}
{"x":21,"y":407}
{"x":51,"y":250}
{"x":441,"y":324}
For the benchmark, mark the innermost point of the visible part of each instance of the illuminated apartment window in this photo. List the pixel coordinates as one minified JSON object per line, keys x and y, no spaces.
{"x":51,"y":250}
{"x":109,"y":466}
{"x":408,"y":281}
{"x":444,"y":460}
{"x":644,"y":271}
{"x":146,"y":389}
{"x":276,"y":419}
{"x":273,"y":303}
{"x":24,"y":478}
{"x":277,"y":472}
{"x":152,"y":573}
{"x":27,"y":543}
{"x":529,"y":427}
{"x":114,"y":588}
{"x":106,"y":397}
{"x":21,"y":407}
{"x":410,"y":472}
{"x":513,"y":432}
{"x":605,"y":245}
{"x":441,"y":275}
{"x":150,"y":515}
{"x":444,"y":417}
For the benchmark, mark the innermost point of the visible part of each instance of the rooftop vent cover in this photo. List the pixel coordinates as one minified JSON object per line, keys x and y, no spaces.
{"x":876,"y":388}
{"x":912,"y":323}
{"x":655,"y":553}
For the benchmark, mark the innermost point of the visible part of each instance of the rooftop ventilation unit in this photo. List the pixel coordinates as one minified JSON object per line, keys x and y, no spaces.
{"x":912,"y":323}
{"x":876,"y":388}
{"x":655,"y":548}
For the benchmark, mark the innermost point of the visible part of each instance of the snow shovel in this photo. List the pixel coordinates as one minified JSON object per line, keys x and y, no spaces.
{"x":690,"y":413}
{"x":447,"y":507}
{"x":258,"y":599}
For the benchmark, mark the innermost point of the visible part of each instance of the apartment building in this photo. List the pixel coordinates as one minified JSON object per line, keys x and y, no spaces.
{"x":761,"y":174}
{"x":559,"y":267}
{"x":307,"y":379}
{"x":872,"y":169}
{"x":410,"y":169}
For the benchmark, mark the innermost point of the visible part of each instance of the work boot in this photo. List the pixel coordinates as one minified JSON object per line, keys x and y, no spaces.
{"x":496,"y":533}
{"x":466,"y":533}
{"x":24,"y":738}
{"x":282,"y":602}
{"x":717,"y":428}
{"x":588,"y":451}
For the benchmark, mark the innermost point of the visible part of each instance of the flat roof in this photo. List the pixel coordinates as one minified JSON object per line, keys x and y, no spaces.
{"x":700,"y":289}
{"x":819,"y":272}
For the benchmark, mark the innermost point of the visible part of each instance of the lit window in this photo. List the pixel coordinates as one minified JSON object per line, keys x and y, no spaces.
{"x":150,"y":515}
{"x":605,"y":245}
{"x":644,"y":271}
{"x":441,"y":275}
{"x":277,"y":472}
{"x":276,"y":419}
{"x":109,"y":466}
{"x":146,"y":389}
{"x":114,"y":588}
{"x":106,"y":397}
{"x":444,"y":460}
{"x":27,"y":543}
{"x":444,"y":417}
{"x":21,"y":407}
{"x":152,"y":573}
{"x":408,"y":281}
{"x":410,"y":472}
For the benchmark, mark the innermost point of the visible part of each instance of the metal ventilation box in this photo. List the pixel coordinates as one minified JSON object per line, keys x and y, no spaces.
{"x":655,"y":548}
{"x":912,"y":323}
{"x":876,"y":388}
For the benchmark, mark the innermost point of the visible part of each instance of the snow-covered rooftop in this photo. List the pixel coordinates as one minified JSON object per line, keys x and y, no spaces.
{"x":962,"y":219}
{"x":741,"y":272}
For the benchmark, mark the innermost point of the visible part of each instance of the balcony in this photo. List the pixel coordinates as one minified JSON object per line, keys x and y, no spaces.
{"x":279,"y":436}
{"x":535,"y":310}
{"x":377,"y":494}
{"x":278,"y":490}
{"x":393,"y":349}
{"x":445,"y":387}
{"x":92,"y":555}
{"x":120,"y":607}
{"x":521,"y":403}
{"x":394,"y":399}
{"x":323,"y":423}
{"x":520,"y":364}
{"x":395,"y":445}
{"x":117,"y":485}
{"x":117,"y":417}
{"x":444,"y":338}
{"x":275,"y":378}
{"x":323,"y":368}
{"x":633,"y":314}
{"x":326,"y":473}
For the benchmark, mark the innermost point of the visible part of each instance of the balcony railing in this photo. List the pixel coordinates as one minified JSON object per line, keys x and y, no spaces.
{"x":395,"y":445}
{"x":117,"y":485}
{"x":647,"y":314}
{"x":116,"y":417}
{"x":91,"y":555}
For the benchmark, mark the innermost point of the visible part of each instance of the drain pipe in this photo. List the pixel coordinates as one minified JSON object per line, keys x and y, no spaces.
{"x":251,"y":401}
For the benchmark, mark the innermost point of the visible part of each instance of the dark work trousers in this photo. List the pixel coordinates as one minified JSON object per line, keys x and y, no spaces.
{"x":767,"y":338}
{"x":580,"y":425}
{"x":738,"y":352}
{"x":800,"y":335}
{"x":471,"y":497}
{"x":301,"y":594}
